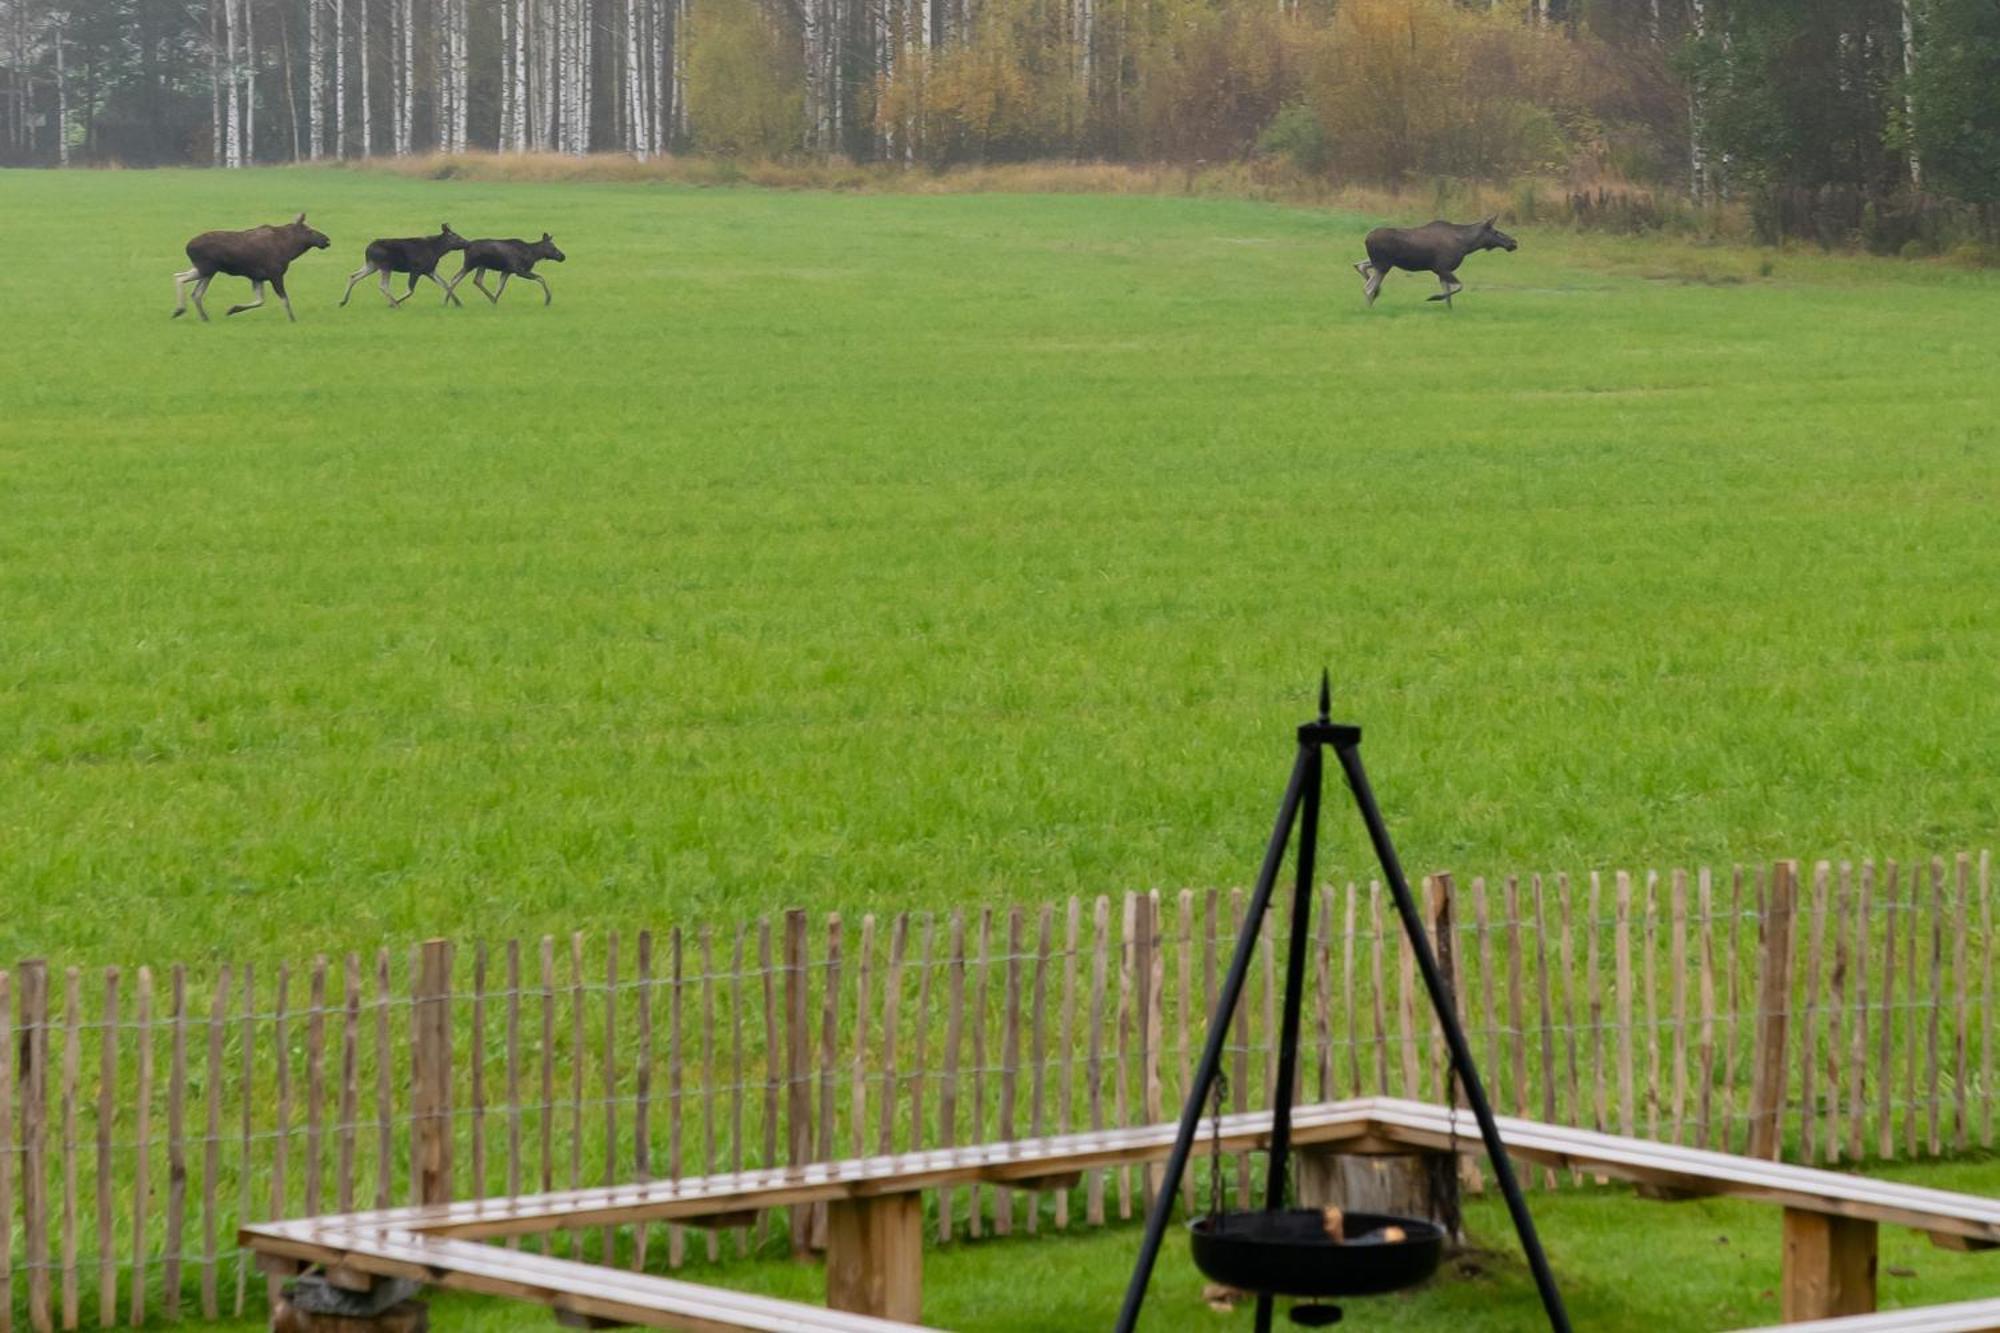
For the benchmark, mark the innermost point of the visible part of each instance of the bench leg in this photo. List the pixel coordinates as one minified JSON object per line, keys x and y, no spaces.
{"x":875,"y":1256}
{"x":1829,"y":1266}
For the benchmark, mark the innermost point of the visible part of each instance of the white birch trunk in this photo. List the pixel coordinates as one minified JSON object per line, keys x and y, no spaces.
{"x":216,"y":130}
{"x":406,"y":114}
{"x":518,"y":126}
{"x":62,"y":92}
{"x":340,"y":144}
{"x":1909,"y":97}
{"x":233,"y":140}
{"x":1697,"y":131}
{"x":315,"y":85}
{"x":249,"y":82}
{"x":361,"y":43}
{"x":637,"y":141}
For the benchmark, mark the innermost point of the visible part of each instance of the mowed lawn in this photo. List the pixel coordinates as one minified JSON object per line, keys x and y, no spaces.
{"x":885,"y":551}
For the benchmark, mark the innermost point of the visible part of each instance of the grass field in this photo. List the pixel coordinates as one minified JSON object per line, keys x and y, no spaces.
{"x":872,"y":550}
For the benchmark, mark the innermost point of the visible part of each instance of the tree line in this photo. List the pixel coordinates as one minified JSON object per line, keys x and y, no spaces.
{"x":1878,"y":106}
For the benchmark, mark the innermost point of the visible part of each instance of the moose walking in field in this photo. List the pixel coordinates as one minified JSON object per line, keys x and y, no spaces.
{"x":261,"y":254}
{"x":510,"y":259}
{"x":417,"y":256}
{"x":1437,"y":247}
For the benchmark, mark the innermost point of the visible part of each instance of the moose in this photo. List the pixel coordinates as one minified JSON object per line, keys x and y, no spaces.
{"x":510,"y":259}
{"x":417,"y":256}
{"x":1437,"y":247}
{"x":261,"y":254}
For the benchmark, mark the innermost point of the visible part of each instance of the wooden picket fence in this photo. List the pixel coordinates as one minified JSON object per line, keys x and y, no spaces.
{"x":1835,"y":1015}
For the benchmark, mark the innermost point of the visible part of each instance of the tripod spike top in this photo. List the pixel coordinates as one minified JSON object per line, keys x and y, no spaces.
{"x":1325,"y":695}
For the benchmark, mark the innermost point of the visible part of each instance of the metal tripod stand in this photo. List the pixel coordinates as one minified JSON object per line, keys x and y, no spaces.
{"x":1300,"y":807}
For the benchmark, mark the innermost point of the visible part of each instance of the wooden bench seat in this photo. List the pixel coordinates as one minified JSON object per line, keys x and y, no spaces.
{"x":875,"y":1228}
{"x":1965,"y":1317}
{"x":594,"y":1294}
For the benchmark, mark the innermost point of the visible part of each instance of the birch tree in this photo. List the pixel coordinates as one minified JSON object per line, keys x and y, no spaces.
{"x":233,"y":137}
{"x":315,"y":84}
{"x":340,"y":141}
{"x":362,"y":36}
{"x":61,"y":25}
{"x":249,"y":81}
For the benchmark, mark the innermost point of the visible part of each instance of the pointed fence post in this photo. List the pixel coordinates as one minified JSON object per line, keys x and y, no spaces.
{"x":1774,"y":997}
{"x":430,"y":1074}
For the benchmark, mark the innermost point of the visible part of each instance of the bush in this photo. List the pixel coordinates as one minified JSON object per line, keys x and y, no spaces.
{"x":1296,"y":136}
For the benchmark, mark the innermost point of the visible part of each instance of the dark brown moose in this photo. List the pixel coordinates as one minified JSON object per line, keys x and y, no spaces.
{"x":261,"y":254}
{"x":1437,"y":247}
{"x":510,"y":259}
{"x":417,"y":256}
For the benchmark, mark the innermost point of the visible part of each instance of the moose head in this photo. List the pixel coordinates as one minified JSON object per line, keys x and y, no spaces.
{"x":1492,"y":238}
{"x":450,"y":239}
{"x":546,"y":249}
{"x":306,"y":236}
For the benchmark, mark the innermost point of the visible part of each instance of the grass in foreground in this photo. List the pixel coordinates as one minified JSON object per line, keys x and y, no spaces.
{"x":882,"y":551}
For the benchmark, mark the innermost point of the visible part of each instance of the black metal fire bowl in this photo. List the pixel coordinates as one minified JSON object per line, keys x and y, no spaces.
{"x":1288,"y":1253}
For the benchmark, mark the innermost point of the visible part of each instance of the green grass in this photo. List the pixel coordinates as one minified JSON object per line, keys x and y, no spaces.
{"x":880,"y":551}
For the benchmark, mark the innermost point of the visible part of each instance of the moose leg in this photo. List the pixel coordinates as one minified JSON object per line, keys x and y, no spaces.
{"x":201,"y":287}
{"x":547,"y":296}
{"x":501,"y":290}
{"x":353,"y":278}
{"x":479,"y":273}
{"x":452,"y":286}
{"x":388,"y":294}
{"x":1448,"y":286}
{"x":256,"y":290}
{"x":1366,"y":268}
{"x":278,"y":286}
{"x":448,"y":297}
{"x":181,"y":280}
{"x":1374,"y":288}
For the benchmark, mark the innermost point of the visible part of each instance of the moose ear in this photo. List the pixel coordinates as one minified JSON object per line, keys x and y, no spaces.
{"x":299,"y":220}
{"x":547,"y":237}
{"x":1491,"y":218}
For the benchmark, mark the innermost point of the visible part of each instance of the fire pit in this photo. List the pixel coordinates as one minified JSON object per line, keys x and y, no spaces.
{"x":1288,"y":1252}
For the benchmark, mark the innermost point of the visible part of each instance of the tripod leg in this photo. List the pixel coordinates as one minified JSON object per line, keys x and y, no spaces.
{"x":1218,"y":1033}
{"x":1461,"y":1050}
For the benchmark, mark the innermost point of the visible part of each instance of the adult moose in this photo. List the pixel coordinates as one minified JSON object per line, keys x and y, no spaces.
{"x":510,"y":259}
{"x":417,"y":256}
{"x":1436,"y":247}
{"x":261,"y":254}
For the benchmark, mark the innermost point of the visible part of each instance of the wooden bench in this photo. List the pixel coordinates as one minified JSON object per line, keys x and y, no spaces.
{"x":875,"y":1214}
{"x":1965,"y":1317}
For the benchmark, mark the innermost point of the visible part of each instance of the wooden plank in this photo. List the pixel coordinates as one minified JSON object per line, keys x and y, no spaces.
{"x":1038,"y":1044}
{"x":975,"y":1215}
{"x":1406,"y":1014}
{"x":1857,"y":1051}
{"x":350,"y":1083}
{"x":1600,"y":1118}
{"x":246,"y":1206}
{"x":1093,"y":1205}
{"x":1548,"y":1011}
{"x":107,"y":1088}
{"x":1239,"y":1091}
{"x":857,"y":1076}
{"x":1322,"y":993}
{"x":642,"y":1088}
{"x":312,"y":1168}
{"x":677,"y":1077}
{"x":431,"y":1072}
{"x":546,"y":956}
{"x":1517,"y":1014}
{"x":1961,"y":985}
{"x":1840,"y":987}
{"x":1933,"y":1015}
{"x":1010,"y":1060}
{"x":8,"y":1056}
{"x":1705,"y":1100}
{"x":773,"y":1052}
{"x":1677,"y":968}
{"x":710,"y":1061}
{"x":1774,"y":990}
{"x":142,"y":1134}
{"x":1349,"y":1013}
{"x":1622,"y":946}
{"x":515,"y":1110}
{"x":892,"y":1013}
{"x":1732,"y":970}
{"x":798,"y":1056}
{"x":1066,"y":1041}
{"x":177,"y":1169}
{"x":1912,"y":1104}
{"x":1124,"y":1043}
{"x":1572,"y":1012}
{"x":1885,"y":1073}
{"x":1809,"y":1017}
{"x":920,"y":1047}
{"x":1152,"y":1032}
{"x":34,"y":1084}
{"x":608,"y":1238}
{"x":1829,"y":1266}
{"x":954,"y":1030}
{"x":1988,"y":1020}
{"x":1378,"y":985}
{"x":1649,"y":918}
{"x":476,"y":1057}
{"x":1488,"y":1017}
{"x":71,"y":1070}
{"x":737,"y":1073}
{"x":211,"y":1156}
{"x":578,"y":1061}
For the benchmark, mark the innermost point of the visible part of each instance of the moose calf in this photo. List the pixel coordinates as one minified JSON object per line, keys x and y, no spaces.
{"x":1437,"y":247}
{"x":261,"y":254}
{"x":507,"y":258}
{"x":417,"y":256}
